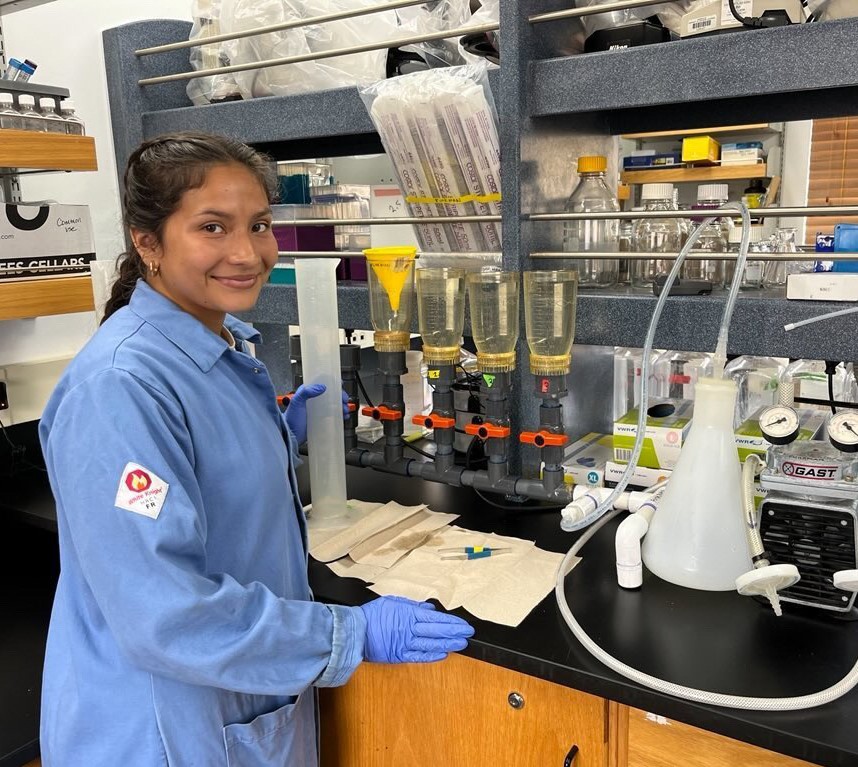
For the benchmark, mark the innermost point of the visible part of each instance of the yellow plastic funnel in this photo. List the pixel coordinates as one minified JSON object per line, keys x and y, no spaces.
{"x":392,"y":266}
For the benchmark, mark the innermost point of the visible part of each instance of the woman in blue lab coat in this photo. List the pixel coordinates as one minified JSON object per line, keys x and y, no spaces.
{"x":183,"y":630}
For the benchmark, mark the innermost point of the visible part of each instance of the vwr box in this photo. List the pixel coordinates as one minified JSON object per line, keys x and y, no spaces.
{"x":667,"y":427}
{"x":40,"y":241}
{"x":584,"y":460}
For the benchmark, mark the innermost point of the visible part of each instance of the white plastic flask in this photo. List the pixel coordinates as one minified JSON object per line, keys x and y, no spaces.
{"x":697,"y":538}
{"x":316,"y":283}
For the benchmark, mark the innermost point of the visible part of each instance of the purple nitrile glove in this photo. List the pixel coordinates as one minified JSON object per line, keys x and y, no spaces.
{"x":399,"y":630}
{"x":296,"y":413}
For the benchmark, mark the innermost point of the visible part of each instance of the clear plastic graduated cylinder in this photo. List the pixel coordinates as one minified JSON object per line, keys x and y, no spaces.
{"x":493,"y":297}
{"x":549,"y":315}
{"x":316,"y":283}
{"x":441,"y":313}
{"x":391,"y":296}
{"x":697,"y":537}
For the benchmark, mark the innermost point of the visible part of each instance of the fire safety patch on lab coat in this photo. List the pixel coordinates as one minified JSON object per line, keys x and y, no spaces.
{"x":141,"y":491}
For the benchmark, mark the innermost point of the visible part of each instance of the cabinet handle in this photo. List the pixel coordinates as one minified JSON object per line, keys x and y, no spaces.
{"x":571,"y":756}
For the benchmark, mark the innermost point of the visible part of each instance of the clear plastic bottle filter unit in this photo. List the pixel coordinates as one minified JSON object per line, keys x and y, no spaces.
{"x":712,"y":238}
{"x":10,"y":118}
{"x":441,"y":313}
{"x":494,"y":302}
{"x":316,"y":284}
{"x":549,"y":317}
{"x":391,"y":296}
{"x":697,"y":538}
{"x":30,"y":118}
{"x":655,"y":235}
{"x":592,"y":195}
{"x":74,"y":125}
{"x":757,"y":380}
{"x":54,"y":123}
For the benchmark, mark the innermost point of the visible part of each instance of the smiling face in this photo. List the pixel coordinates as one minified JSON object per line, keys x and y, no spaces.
{"x":216,"y":249}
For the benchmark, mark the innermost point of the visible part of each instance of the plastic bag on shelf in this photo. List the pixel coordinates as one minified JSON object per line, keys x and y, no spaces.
{"x":354,"y":69}
{"x":204,"y":90}
{"x":440,"y":130}
{"x":435,"y":17}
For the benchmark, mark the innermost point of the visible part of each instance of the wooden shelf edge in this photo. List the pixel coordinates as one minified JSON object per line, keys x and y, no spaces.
{"x":766,"y":128}
{"x":679,"y":175}
{"x":46,"y":151}
{"x":38,"y":298}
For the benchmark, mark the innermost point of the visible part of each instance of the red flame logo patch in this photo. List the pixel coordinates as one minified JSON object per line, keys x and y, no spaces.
{"x":137,"y":481}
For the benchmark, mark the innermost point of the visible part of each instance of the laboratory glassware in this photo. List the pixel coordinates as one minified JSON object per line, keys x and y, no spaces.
{"x":316,"y":285}
{"x":549,"y":317}
{"x":493,"y":298}
{"x":712,"y":238}
{"x":697,"y":538}
{"x":592,"y":195}
{"x":391,"y":296}
{"x":441,"y":313}
{"x":655,"y":235}
{"x":757,"y":380}
{"x":74,"y":125}
{"x":10,"y":118}
{"x":53,"y":122}
{"x":30,"y":118}
{"x":752,"y":279}
{"x":775,"y":272}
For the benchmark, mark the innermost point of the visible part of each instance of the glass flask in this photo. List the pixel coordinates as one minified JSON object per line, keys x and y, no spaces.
{"x":493,"y":298}
{"x":712,"y":238}
{"x":549,"y":317}
{"x":441,"y":313}
{"x":592,"y":195}
{"x":655,"y":235}
{"x":391,"y":296}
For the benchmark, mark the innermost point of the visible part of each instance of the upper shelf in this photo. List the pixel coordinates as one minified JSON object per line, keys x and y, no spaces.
{"x":747,"y":72}
{"x":754,"y":129}
{"x":37,"y":298}
{"x":704,"y":174}
{"x":621,"y":318}
{"x":46,"y":151}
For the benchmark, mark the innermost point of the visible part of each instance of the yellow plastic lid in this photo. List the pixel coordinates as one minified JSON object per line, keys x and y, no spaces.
{"x":592,"y":164}
{"x":392,"y":266}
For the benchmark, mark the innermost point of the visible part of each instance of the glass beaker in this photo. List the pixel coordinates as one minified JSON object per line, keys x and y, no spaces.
{"x":549,"y":317}
{"x":775,"y":272}
{"x":441,"y":313}
{"x":494,"y":319}
{"x":391,"y":296}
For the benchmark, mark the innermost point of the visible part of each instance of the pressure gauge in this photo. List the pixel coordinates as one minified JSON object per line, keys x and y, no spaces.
{"x":779,"y":424}
{"x":843,"y":431}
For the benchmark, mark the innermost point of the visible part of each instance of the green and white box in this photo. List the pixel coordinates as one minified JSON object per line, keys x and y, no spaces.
{"x":642,"y":478}
{"x":584,"y":461}
{"x":667,"y":426}
{"x":750,"y":439}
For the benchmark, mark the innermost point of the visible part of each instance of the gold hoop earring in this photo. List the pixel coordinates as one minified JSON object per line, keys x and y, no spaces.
{"x":154,"y":268}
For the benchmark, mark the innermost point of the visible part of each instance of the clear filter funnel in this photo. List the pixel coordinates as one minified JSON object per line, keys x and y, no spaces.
{"x":494,"y":319}
{"x":391,"y":296}
{"x":316,"y":283}
{"x":697,"y":537}
{"x":549,"y":316}
{"x":441,"y":313}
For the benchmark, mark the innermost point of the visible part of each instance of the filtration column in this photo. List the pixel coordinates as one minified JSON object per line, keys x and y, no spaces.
{"x":391,"y":294}
{"x":549,"y":316}
{"x":441,"y":319}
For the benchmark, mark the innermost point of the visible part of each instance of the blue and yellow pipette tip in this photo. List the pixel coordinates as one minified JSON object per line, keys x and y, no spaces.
{"x":473,"y":552}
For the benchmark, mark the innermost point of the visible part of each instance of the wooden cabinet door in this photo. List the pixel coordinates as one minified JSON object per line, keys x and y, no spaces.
{"x":458,"y":713}
{"x":657,"y":742}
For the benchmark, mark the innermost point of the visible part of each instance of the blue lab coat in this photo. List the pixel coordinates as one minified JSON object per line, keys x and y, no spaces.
{"x":183,"y":630}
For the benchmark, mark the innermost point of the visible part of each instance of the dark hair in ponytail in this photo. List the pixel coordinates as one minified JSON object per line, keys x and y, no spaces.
{"x":158,"y":174}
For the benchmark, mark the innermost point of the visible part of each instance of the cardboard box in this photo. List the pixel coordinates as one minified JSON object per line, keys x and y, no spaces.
{"x":701,"y":150}
{"x":741,"y":156}
{"x":584,"y":461}
{"x":40,"y":241}
{"x":641,"y":479}
{"x":749,"y":436}
{"x":667,"y":427}
{"x":823,"y":286}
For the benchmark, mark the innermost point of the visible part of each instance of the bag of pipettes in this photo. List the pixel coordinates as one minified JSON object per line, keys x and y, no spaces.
{"x":439,"y":129}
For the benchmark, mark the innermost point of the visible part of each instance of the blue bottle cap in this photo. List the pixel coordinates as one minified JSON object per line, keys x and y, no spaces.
{"x":27,"y":69}
{"x":14,"y":63}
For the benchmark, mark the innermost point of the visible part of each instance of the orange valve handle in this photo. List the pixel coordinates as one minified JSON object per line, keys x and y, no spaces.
{"x":543,"y":438}
{"x":285,"y":399}
{"x":487,"y":431}
{"x":434,"y":421}
{"x":382,"y":413}
{"x":352,"y":407}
